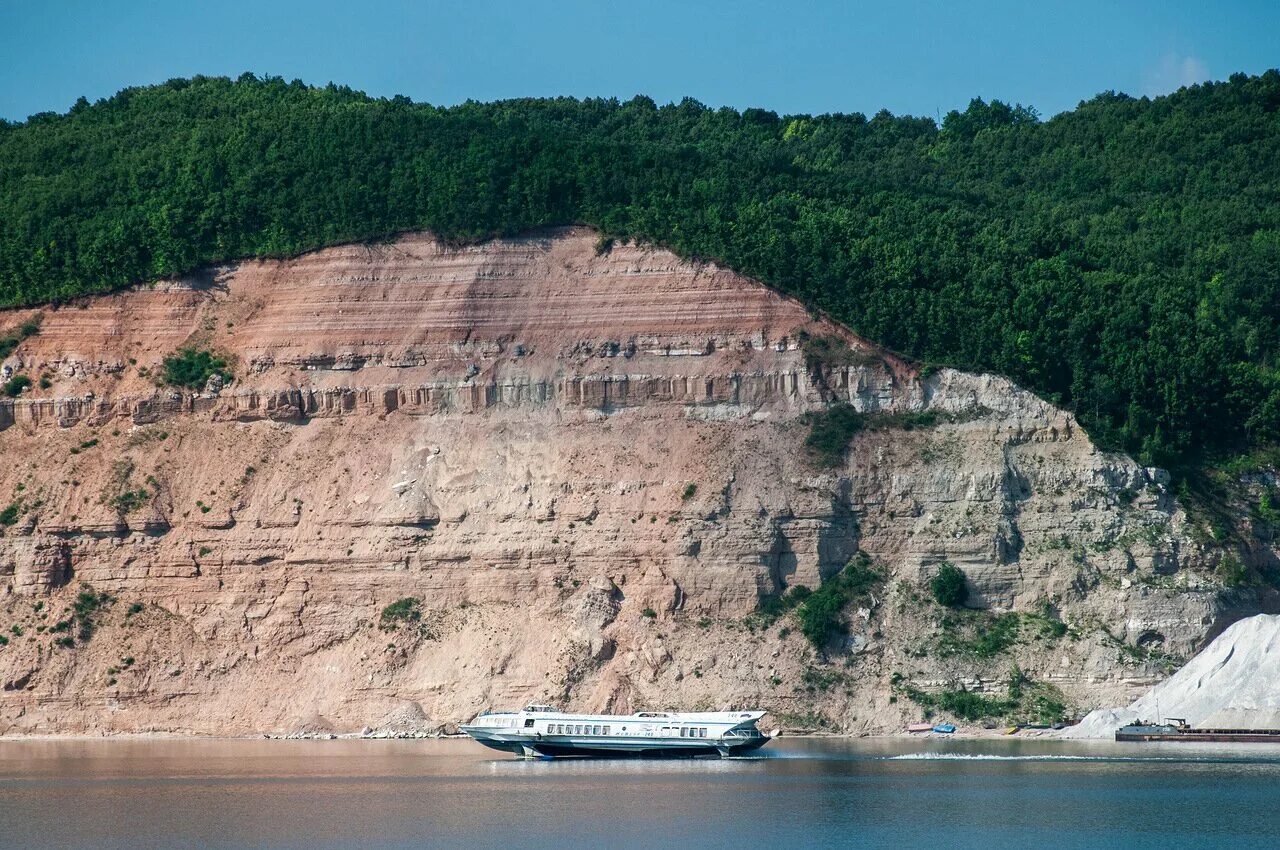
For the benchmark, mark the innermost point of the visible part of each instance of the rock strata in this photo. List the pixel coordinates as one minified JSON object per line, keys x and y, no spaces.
{"x":579,"y":472}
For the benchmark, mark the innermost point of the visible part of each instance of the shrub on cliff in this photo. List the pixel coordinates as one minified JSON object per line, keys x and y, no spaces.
{"x":830,"y":431}
{"x":402,"y":611}
{"x":821,"y":613}
{"x":193,"y":367}
{"x":10,"y":341}
{"x":949,"y":586}
{"x":15,"y":385}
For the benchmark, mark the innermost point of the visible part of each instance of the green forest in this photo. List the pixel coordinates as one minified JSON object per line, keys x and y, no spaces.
{"x":1121,"y":259}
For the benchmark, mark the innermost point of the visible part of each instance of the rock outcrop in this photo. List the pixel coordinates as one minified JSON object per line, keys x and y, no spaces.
{"x":578,"y":471}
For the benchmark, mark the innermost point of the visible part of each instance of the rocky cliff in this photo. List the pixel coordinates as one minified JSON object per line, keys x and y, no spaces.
{"x":446,"y":479}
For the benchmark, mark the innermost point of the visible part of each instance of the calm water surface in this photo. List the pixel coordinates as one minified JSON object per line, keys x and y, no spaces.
{"x":798,"y":793}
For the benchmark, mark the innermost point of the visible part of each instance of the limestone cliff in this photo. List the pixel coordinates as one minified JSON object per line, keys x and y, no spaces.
{"x":587,"y":467}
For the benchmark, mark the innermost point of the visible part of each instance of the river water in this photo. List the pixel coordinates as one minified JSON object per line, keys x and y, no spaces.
{"x":797,"y":793}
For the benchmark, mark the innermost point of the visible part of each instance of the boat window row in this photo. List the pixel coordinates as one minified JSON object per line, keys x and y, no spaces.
{"x":577,"y":729}
{"x":686,"y":731}
{"x":597,"y":729}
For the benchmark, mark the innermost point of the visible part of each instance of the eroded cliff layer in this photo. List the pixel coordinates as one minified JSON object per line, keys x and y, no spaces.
{"x":574,"y":473}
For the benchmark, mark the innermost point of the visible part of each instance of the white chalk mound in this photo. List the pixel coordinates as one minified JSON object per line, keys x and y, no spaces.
{"x":1234,"y":683}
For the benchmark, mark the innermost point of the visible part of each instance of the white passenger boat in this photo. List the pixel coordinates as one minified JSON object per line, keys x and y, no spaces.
{"x":540,"y":730}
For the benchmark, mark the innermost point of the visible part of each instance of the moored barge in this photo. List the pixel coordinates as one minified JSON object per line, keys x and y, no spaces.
{"x":1176,"y":730}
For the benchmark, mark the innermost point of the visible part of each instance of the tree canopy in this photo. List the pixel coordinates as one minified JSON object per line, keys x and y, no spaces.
{"x":1122,"y":259}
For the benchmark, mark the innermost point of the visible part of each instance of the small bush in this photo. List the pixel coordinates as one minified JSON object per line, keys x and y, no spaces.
{"x":129,"y":501}
{"x":771,"y":609}
{"x":15,"y":385}
{"x":830,"y":431}
{"x":831,"y":352}
{"x":401,"y":611}
{"x":85,"y":608}
{"x":10,"y":341}
{"x":948,"y":586}
{"x":1233,"y":572}
{"x":820,"y":614}
{"x":10,"y":515}
{"x":650,"y":613}
{"x":689,"y":491}
{"x":191,"y":368}
{"x":1049,"y":624}
{"x":978,"y":634}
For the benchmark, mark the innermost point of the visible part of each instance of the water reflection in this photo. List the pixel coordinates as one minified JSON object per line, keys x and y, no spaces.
{"x":797,"y":792}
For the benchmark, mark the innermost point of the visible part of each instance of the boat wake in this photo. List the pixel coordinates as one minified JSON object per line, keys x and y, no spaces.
{"x":1047,"y":757}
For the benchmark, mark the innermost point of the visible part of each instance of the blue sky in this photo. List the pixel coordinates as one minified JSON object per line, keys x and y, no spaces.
{"x":915,"y":57}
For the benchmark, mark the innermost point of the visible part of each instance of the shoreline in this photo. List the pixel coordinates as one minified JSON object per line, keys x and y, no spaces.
{"x":958,"y":735}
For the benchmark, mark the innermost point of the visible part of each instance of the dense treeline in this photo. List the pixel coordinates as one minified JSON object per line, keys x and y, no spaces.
{"x":1122,"y":259}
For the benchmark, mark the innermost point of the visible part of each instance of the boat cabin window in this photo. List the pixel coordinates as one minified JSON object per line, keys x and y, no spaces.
{"x":528,"y":723}
{"x":606,"y":730}
{"x":702,"y":733}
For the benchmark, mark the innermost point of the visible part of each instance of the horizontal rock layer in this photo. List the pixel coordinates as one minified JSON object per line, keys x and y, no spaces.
{"x":588,"y":469}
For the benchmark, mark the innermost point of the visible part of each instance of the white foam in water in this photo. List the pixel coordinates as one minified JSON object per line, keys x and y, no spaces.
{"x":1181,"y":758}
{"x":994,"y":757}
{"x":1233,"y":683}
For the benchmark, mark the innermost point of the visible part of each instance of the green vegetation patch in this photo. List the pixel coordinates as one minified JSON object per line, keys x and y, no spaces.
{"x":401,"y":612}
{"x":831,"y":352}
{"x":86,"y":612}
{"x":10,"y":341}
{"x":830,"y":431}
{"x":1025,"y":701}
{"x":949,"y":586}
{"x":15,"y":385}
{"x":820,"y":613}
{"x":119,"y":493}
{"x":193,"y":367}
{"x":978,"y":634}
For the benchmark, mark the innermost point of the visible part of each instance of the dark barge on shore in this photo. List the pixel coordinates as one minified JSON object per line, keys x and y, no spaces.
{"x":1178,"y":730}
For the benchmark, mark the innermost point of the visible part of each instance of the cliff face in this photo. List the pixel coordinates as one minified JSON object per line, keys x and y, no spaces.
{"x":587,"y":468}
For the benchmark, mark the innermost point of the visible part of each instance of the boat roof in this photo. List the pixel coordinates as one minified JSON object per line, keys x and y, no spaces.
{"x":740,"y":716}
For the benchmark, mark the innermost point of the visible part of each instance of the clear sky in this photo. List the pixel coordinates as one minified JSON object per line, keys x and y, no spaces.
{"x":909,"y":56}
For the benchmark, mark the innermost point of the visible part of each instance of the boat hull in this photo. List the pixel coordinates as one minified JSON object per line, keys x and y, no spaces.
{"x":531,"y":747}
